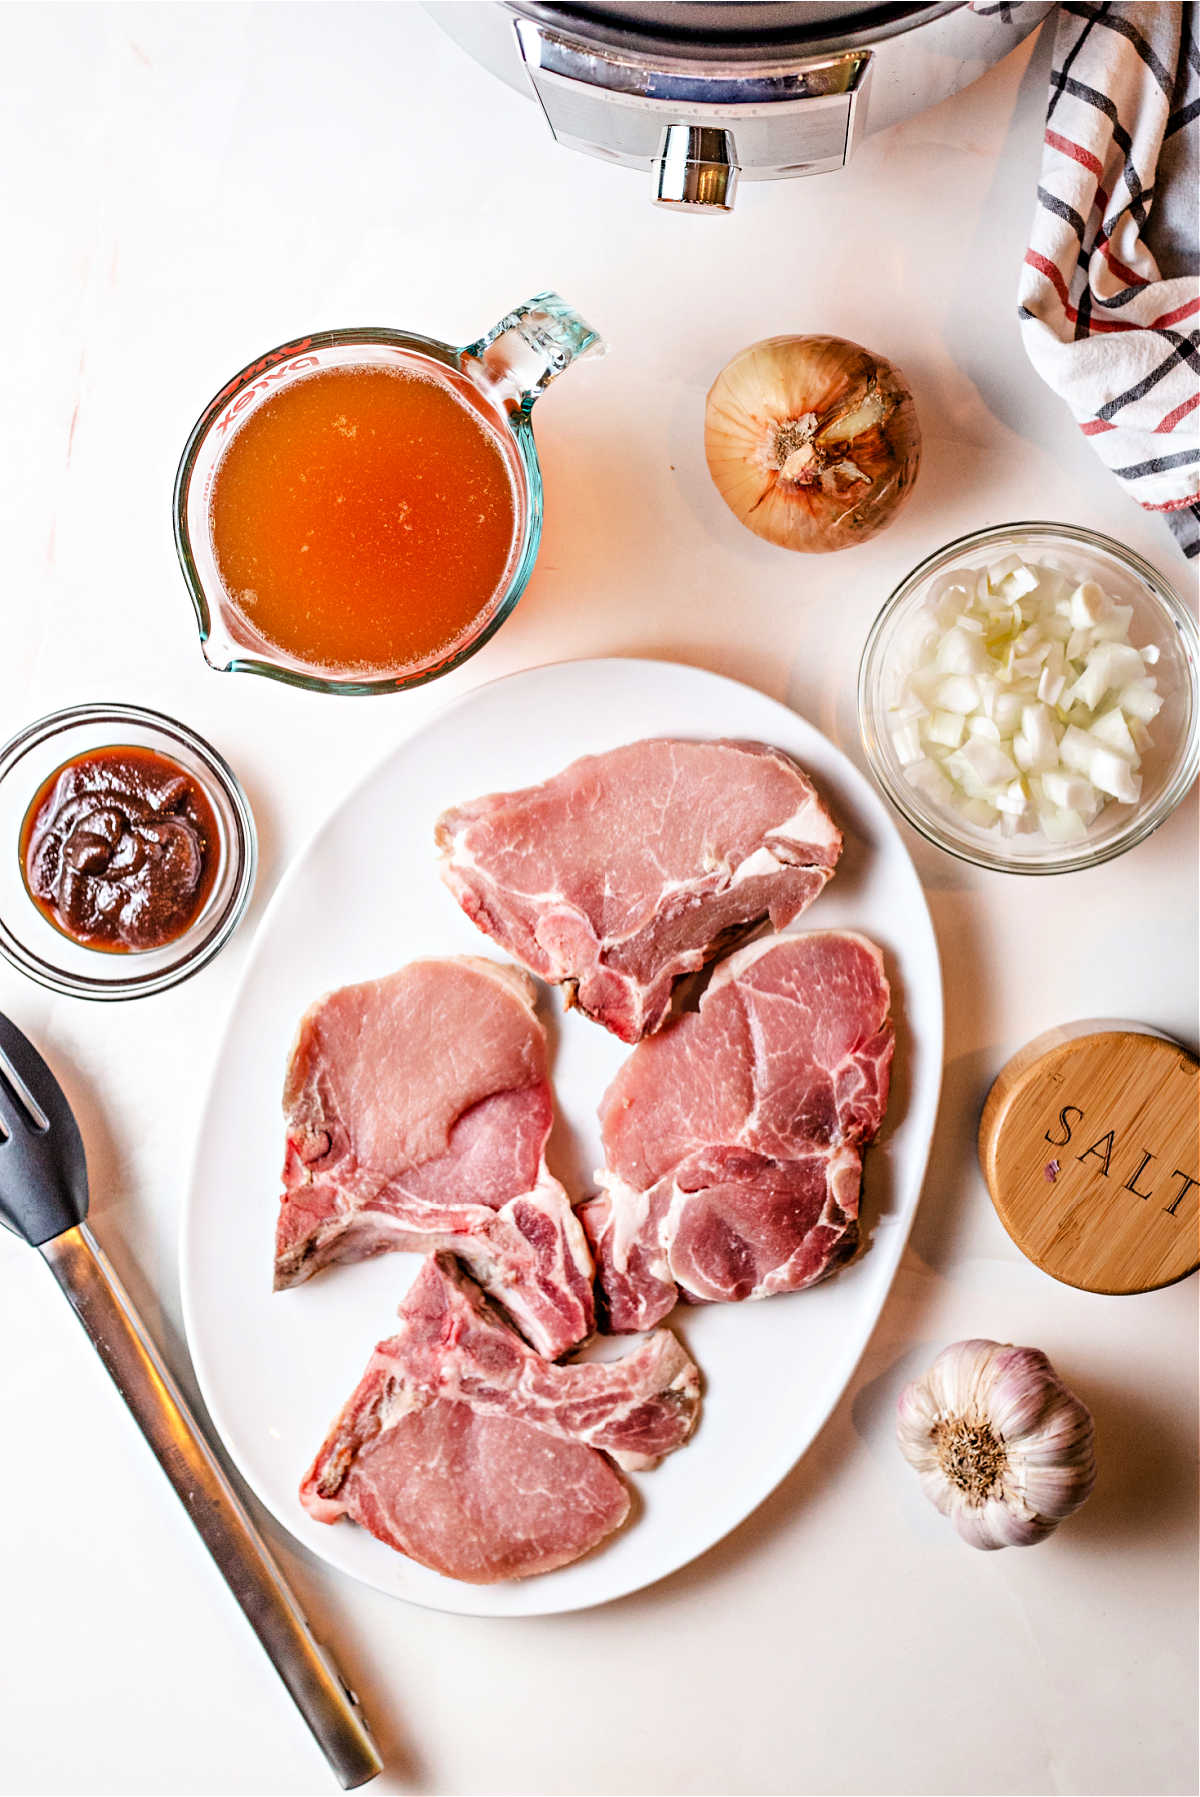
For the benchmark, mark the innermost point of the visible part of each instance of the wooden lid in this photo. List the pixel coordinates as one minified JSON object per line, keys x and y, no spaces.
{"x":1088,"y":1143}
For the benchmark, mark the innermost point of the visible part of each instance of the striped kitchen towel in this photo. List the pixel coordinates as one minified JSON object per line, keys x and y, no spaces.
{"x":1110,"y":290}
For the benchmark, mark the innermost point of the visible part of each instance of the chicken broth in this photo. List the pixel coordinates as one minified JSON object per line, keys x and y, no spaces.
{"x":364,"y":520}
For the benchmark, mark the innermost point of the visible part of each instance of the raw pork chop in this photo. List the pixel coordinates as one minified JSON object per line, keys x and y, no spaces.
{"x":466,"y":1451}
{"x":632,"y":868}
{"x":733,"y":1139}
{"x":417,"y":1111}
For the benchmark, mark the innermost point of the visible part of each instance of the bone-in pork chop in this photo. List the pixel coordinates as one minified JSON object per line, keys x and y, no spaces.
{"x":417,"y":1111}
{"x":466,"y":1451}
{"x":733,"y":1138}
{"x":629,"y":869}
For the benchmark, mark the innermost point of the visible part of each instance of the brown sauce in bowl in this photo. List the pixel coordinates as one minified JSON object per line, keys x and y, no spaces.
{"x":119,"y":849}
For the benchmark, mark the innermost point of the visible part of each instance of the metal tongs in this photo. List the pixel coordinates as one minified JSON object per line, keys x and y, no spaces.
{"x":44,"y":1199}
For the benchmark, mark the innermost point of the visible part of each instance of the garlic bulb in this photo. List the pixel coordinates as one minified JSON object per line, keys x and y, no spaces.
{"x":812,"y":442}
{"x":1002,"y":1447}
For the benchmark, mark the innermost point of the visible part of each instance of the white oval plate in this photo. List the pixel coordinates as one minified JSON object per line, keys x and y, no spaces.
{"x":363,"y":898}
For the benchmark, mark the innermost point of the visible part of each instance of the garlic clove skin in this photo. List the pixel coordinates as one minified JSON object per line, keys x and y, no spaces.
{"x":1001,"y":1446}
{"x":812,"y":442}
{"x":999,"y":1524}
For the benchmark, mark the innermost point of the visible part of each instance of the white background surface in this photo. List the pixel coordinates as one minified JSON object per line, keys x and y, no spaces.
{"x":185,"y":186}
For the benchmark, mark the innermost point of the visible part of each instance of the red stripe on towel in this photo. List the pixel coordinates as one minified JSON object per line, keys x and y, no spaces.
{"x":1076,"y":152}
{"x":1181,"y":411}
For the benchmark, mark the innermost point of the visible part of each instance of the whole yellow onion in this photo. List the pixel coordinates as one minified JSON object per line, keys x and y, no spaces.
{"x":812,"y":442}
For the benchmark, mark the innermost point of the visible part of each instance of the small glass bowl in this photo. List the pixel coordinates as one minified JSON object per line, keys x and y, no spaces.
{"x":30,"y":941}
{"x":1170,"y":763}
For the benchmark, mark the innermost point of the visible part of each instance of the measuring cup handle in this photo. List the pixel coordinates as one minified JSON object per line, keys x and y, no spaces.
{"x":519,"y":357}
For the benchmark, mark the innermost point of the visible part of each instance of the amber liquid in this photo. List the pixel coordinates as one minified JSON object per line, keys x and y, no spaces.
{"x":364,"y":521}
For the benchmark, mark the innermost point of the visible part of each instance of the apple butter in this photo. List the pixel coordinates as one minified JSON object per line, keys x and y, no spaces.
{"x":119,"y":849}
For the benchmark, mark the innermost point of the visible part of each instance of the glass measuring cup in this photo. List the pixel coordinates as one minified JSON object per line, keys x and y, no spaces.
{"x":499,"y":377}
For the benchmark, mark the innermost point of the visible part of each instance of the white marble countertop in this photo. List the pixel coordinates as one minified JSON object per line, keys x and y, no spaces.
{"x":187,"y":185}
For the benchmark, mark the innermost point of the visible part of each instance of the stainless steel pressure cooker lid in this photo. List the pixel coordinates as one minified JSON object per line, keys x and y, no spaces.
{"x":734,"y":30}
{"x":704,"y":94}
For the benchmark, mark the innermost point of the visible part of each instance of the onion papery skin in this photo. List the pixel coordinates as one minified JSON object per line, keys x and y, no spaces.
{"x":784,"y":379}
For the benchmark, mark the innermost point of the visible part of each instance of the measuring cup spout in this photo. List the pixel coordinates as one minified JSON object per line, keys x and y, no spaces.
{"x":216,"y":645}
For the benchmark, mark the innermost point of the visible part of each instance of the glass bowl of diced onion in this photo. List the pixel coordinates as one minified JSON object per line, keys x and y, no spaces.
{"x":1028,"y":698}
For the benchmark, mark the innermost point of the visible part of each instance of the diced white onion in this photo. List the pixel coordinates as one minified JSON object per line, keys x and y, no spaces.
{"x":961,"y":653}
{"x":979,"y":812}
{"x":981,"y":766}
{"x":1006,"y":713}
{"x":1000,"y":570}
{"x":1038,"y":732}
{"x":1113,"y":774}
{"x":1014,"y":799}
{"x":928,"y":778}
{"x":1022,"y":580}
{"x":1026,"y":707}
{"x":958,"y":692}
{"x":1062,"y":826}
{"x":1088,"y":605}
{"x":1111,"y":729}
{"x":1051,"y":685}
{"x":906,"y":740}
{"x":1141,"y":700}
{"x":1109,"y":666}
{"x":946,"y":729}
{"x":982,"y":725}
{"x":1070,"y":792}
{"x":1115,"y":627}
